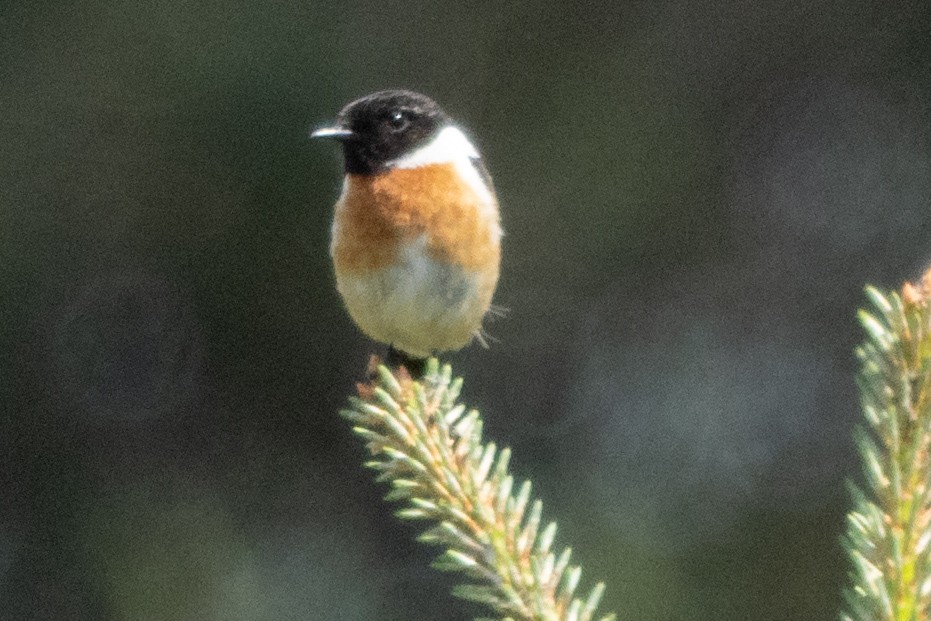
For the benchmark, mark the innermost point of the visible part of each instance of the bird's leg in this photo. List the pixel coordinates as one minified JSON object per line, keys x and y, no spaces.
{"x":416,"y":367}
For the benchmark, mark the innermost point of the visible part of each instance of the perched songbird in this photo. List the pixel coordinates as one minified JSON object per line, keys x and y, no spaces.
{"x":416,"y":234}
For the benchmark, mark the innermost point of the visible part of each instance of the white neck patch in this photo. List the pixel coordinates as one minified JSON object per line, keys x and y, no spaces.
{"x":449,"y":146}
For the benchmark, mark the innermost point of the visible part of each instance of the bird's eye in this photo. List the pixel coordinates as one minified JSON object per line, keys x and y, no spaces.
{"x":399,"y":121}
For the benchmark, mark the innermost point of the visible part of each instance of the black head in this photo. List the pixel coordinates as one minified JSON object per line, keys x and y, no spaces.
{"x":383,"y":126}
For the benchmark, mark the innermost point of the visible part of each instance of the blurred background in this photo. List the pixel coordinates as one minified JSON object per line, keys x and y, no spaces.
{"x":693,"y":194}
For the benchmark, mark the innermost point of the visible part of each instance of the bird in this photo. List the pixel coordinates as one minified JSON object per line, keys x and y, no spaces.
{"x":416,"y":234}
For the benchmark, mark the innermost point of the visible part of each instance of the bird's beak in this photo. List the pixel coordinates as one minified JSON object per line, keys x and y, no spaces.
{"x":334,"y":133}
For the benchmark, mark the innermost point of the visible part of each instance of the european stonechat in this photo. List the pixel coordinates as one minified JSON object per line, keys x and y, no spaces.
{"x":416,"y":239}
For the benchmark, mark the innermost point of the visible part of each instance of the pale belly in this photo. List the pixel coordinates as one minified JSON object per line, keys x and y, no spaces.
{"x":418,"y":305}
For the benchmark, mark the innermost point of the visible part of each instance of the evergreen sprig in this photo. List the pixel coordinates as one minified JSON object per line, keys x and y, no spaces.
{"x":430,"y":450}
{"x":889,"y":528}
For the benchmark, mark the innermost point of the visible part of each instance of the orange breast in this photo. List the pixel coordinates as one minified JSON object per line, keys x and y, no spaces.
{"x":378,"y":213}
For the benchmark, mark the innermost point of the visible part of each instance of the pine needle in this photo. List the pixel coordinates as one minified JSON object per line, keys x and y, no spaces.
{"x":889,"y":527}
{"x":429,"y":449}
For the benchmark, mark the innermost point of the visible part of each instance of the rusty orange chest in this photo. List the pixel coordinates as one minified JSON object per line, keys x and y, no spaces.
{"x":416,"y":253}
{"x":379,"y":213}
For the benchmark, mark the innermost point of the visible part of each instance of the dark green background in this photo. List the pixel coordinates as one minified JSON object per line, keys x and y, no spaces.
{"x":693,"y":194}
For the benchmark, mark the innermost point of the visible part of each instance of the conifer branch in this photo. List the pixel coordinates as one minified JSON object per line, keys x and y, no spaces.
{"x":889,"y":528}
{"x":429,"y":449}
